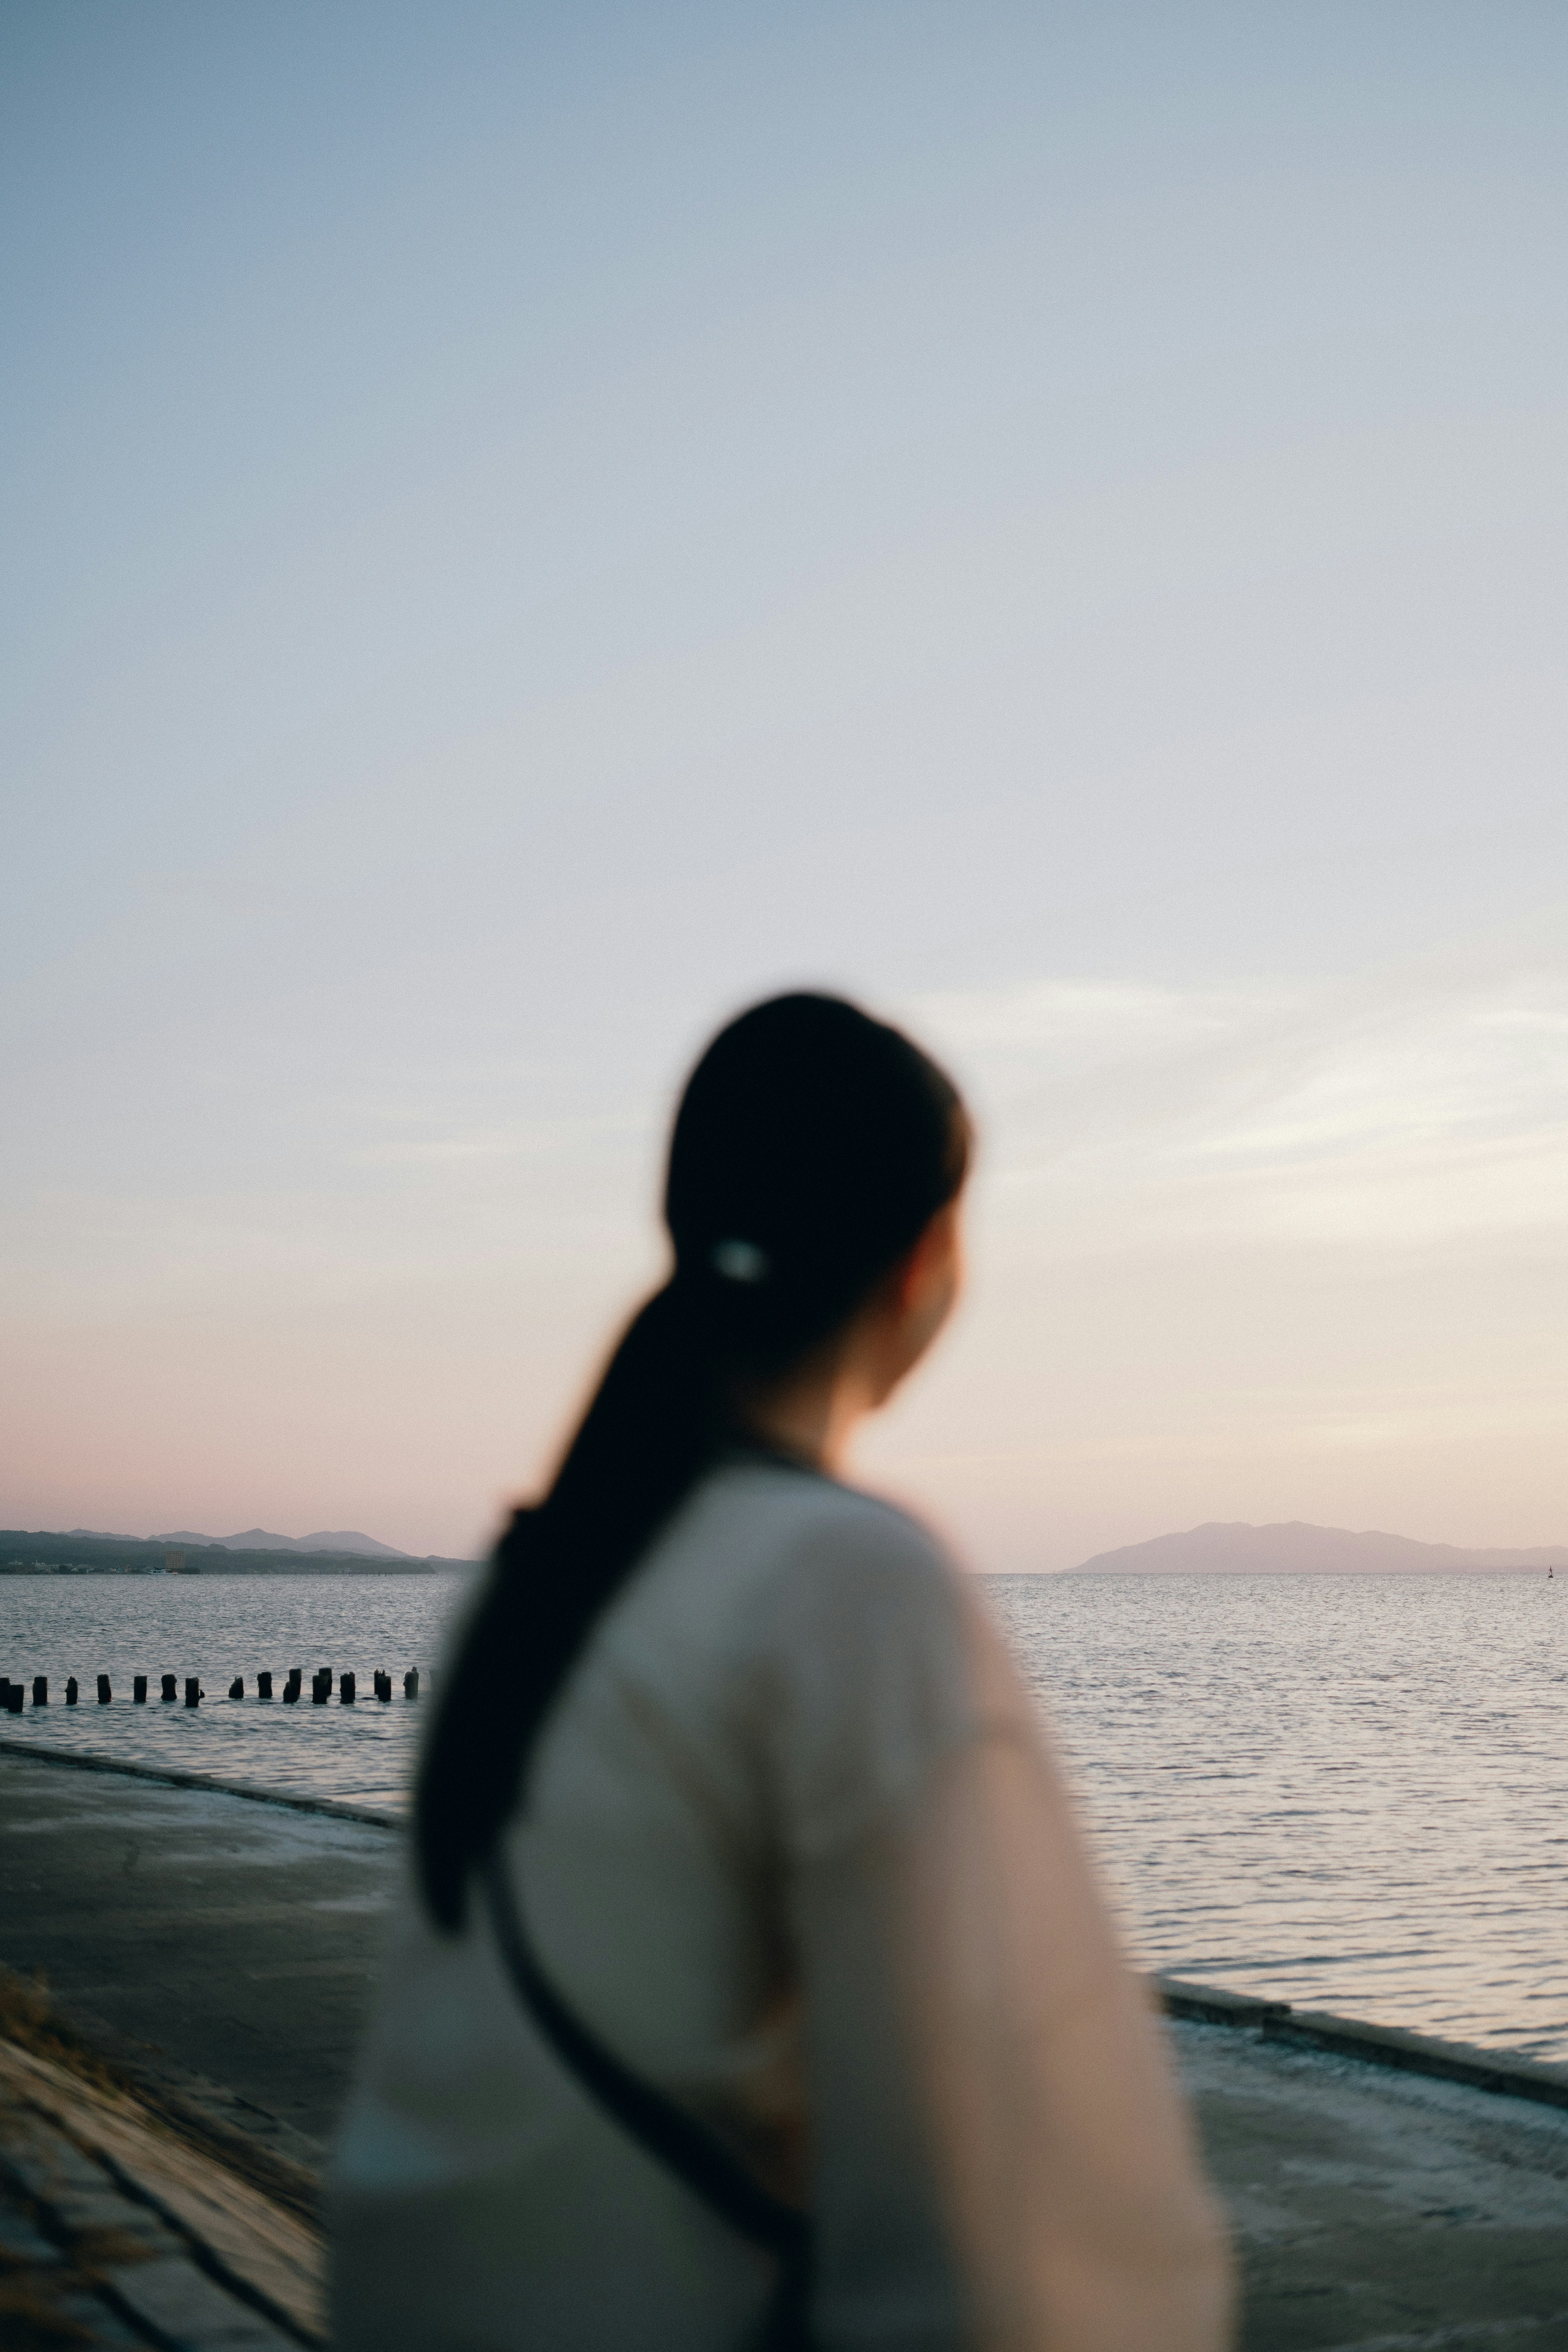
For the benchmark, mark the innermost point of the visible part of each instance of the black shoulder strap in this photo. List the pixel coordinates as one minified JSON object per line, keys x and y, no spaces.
{"x":676,"y":2140}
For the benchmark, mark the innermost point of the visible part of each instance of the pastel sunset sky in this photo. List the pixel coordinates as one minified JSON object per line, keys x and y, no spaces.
{"x":529,"y":528}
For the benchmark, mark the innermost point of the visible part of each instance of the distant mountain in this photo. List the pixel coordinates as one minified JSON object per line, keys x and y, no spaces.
{"x":262,"y":1539}
{"x":349,"y":1539}
{"x":1232,"y":1548}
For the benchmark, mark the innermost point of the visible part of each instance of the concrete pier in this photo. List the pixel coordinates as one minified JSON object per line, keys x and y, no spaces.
{"x":241,"y":1937}
{"x":1373,"y":2210}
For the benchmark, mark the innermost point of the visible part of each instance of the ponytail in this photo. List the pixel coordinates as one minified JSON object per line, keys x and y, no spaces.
{"x":812,"y":1147}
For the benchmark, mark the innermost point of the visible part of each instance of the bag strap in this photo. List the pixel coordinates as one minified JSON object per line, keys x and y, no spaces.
{"x":666,"y":2131}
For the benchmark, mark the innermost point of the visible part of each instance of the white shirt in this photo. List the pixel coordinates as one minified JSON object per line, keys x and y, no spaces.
{"x":793,"y":1846}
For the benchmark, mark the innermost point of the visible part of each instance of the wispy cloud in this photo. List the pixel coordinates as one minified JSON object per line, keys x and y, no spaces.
{"x":1078,"y":1022}
{"x":482,"y":1146}
{"x":1408,"y":1109}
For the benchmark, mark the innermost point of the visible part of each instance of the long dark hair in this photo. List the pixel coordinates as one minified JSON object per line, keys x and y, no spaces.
{"x":812,"y":1147}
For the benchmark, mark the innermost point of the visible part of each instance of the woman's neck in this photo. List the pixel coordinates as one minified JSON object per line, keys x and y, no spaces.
{"x":812,"y":1412}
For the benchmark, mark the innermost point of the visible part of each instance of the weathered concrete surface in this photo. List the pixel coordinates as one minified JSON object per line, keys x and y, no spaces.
{"x":1373,"y":2212}
{"x":241,"y":1937}
{"x":1380,"y":2210}
{"x":114,"y":2230}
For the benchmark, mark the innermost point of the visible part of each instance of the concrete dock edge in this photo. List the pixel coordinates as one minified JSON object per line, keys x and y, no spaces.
{"x":168,"y":1778}
{"x":1506,"y":2073}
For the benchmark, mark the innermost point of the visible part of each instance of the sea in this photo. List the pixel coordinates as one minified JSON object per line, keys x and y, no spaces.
{"x":1348,"y":1792}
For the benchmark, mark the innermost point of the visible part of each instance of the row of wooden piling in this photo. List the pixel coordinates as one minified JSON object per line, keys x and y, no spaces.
{"x":12,"y":1695}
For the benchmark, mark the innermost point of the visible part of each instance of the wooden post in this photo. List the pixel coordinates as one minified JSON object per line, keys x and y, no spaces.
{"x":320,"y":1687}
{"x":236,"y":1687}
{"x":169,"y":1690}
{"x":70,"y":1691}
{"x":104,"y":1693}
{"x":15,"y":1694}
{"x":40,"y":1690}
{"x":346,"y":1690}
{"x":139,"y":1691}
{"x":291,"y":1687}
{"x":192,"y":1690}
{"x":411,"y":1683}
{"x":263,"y":1686}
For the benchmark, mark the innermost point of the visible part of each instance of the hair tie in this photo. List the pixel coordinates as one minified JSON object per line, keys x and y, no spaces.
{"x":739,"y":1261}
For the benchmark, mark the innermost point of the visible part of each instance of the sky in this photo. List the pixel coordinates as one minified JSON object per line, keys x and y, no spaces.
{"x":531,"y":528}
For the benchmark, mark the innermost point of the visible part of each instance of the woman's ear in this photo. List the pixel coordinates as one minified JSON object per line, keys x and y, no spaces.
{"x":925,"y":1284}
{"x":935,"y":1263}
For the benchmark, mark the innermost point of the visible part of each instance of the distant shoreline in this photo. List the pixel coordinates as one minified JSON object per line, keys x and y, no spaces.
{"x":240,"y":1566}
{"x":37,"y":1552}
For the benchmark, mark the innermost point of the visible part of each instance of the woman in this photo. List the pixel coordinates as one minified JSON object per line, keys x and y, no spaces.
{"x":751,"y":1987}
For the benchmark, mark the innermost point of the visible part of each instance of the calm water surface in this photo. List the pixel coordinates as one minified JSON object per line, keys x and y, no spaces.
{"x":1347,"y":1792}
{"x":216,"y":1627}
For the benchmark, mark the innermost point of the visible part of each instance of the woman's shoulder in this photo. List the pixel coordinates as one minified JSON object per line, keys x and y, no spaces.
{"x":796,"y":1528}
{"x":856,"y":1670}
{"x":801,"y":1630}
{"x":773,"y":1570}
{"x":795,"y":1498}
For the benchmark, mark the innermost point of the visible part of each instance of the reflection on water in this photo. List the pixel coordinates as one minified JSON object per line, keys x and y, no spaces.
{"x":1347,"y":1792}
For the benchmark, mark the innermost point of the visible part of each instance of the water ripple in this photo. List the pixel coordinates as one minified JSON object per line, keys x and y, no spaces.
{"x":1347,"y":1792}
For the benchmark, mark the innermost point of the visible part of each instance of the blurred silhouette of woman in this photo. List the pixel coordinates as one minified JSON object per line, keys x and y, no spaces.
{"x":750,"y":1987}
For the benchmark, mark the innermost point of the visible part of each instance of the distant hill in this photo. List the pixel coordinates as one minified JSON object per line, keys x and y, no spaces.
{"x":1293,"y":1547}
{"x":84,"y":1551}
{"x":335,"y":1540}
